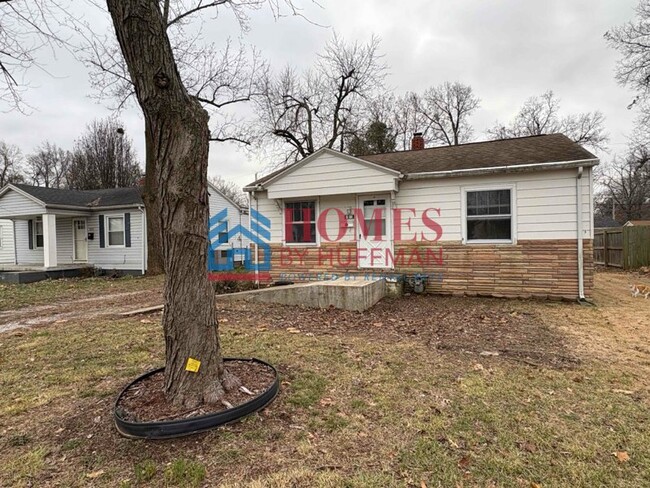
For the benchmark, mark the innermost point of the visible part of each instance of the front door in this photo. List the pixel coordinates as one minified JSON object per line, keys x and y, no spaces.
{"x":374,"y":239}
{"x":80,"y":236}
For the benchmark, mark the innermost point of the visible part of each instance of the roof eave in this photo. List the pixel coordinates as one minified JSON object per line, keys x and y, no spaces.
{"x":514,"y":168}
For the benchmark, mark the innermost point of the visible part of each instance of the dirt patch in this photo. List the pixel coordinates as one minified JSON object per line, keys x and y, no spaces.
{"x":145,"y":401}
{"x":507,"y":328}
{"x":81,"y":308}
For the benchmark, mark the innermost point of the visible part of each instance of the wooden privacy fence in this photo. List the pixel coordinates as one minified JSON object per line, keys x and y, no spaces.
{"x":622,"y":247}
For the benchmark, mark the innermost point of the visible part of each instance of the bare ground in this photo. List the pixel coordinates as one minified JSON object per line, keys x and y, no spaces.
{"x":63,"y":311}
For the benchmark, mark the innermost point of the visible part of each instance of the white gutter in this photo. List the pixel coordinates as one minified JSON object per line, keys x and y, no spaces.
{"x":502,"y":169}
{"x":581,"y":272}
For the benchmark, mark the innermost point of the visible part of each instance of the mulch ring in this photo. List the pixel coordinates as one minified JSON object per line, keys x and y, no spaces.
{"x":145,"y":401}
{"x":491,"y":327}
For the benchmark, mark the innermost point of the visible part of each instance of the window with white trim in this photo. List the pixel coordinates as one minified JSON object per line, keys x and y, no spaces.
{"x":489,"y":216}
{"x":38,"y":234}
{"x":300,"y":222}
{"x":115,"y":231}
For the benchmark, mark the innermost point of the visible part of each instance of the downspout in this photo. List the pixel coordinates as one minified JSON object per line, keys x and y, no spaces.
{"x":581,"y":272}
{"x":144,"y":240}
{"x":13,"y":226}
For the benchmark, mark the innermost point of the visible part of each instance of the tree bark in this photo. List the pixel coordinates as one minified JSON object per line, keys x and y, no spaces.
{"x":150,"y":197}
{"x":178,"y":129}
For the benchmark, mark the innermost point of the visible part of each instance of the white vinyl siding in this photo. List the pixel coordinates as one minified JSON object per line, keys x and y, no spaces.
{"x":118,"y":258}
{"x":7,"y":255}
{"x":24,"y":254}
{"x":330,"y":174}
{"x":14,"y":204}
{"x":544,"y":205}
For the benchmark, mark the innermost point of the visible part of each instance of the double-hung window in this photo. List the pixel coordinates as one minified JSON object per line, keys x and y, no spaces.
{"x":489,"y":216}
{"x":38,"y":234}
{"x":115,"y":231}
{"x":300,"y":222}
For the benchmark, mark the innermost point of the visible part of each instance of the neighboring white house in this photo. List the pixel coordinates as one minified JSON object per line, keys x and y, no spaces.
{"x":50,"y":229}
{"x":510,"y":217}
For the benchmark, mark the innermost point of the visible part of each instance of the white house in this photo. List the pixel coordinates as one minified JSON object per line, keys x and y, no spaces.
{"x":54,"y":232}
{"x":508,"y":218}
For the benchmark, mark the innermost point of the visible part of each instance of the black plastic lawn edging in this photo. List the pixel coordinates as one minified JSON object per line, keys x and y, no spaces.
{"x":169,"y":429}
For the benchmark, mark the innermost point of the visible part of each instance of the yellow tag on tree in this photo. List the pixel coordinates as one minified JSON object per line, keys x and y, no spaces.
{"x":193,"y":365}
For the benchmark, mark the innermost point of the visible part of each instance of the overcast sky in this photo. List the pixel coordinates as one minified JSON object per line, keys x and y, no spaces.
{"x":507,"y":50}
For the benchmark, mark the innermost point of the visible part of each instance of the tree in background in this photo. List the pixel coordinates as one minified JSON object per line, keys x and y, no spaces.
{"x":444,"y":111}
{"x":299,"y":113}
{"x":10,"y":164}
{"x":103,"y":157}
{"x":625,"y":181}
{"x":540,"y":115}
{"x":378,"y":138}
{"x":632,"y":40}
{"x":49,"y":166}
{"x":229,"y":189}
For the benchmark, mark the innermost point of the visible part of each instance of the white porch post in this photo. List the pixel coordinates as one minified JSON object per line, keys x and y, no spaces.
{"x":49,"y":240}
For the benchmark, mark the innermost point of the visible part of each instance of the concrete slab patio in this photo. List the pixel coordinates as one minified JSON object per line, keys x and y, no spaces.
{"x":355,"y":294}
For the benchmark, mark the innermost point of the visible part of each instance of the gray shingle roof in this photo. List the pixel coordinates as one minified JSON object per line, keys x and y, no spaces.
{"x":111,"y":197}
{"x":551,"y":148}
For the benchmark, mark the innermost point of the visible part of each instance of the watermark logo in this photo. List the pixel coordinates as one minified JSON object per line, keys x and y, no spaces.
{"x":220,"y":237}
{"x":334,"y":240}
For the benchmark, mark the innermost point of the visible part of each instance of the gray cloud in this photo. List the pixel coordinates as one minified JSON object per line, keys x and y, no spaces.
{"x":507,"y":50}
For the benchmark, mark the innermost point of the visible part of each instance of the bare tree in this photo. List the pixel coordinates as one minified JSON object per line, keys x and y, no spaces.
{"x":25,"y":28}
{"x":218,"y":77}
{"x":632,"y":40}
{"x":104,"y":158}
{"x":10,"y":164}
{"x":302,"y":112}
{"x":178,"y":137}
{"x":626,"y":182}
{"x":445,"y":110}
{"x":230,"y":189}
{"x":540,"y":115}
{"x":49,"y":166}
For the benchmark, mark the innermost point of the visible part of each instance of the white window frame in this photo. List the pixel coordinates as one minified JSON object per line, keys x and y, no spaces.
{"x":284,"y":227}
{"x":513,"y":213}
{"x":35,"y":234}
{"x":106,"y":230}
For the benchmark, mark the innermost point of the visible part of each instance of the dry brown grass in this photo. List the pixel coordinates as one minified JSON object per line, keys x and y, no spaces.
{"x":364,"y":402}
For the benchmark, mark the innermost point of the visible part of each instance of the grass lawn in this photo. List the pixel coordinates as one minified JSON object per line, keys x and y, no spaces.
{"x":44,"y":292}
{"x":398,"y":396}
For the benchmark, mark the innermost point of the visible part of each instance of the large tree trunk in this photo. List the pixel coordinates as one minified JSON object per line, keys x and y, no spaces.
{"x":150,"y":197}
{"x":178,"y":127}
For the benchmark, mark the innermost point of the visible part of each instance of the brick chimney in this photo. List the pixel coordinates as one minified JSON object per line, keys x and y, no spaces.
{"x":417,"y":142}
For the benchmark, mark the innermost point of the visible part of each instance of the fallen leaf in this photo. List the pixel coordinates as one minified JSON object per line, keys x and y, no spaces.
{"x":423,"y":484}
{"x":535,"y":485}
{"x":464,"y":462}
{"x":622,"y":456}
{"x":95,"y":474}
